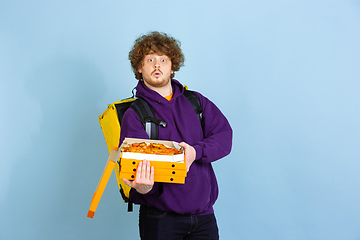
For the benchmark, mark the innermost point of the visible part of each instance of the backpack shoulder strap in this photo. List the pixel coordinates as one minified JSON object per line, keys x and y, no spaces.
{"x":122,"y":106}
{"x":195,"y":103}
{"x":147,"y":117}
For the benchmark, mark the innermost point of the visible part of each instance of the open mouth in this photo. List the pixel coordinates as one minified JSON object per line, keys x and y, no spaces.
{"x":157,"y":73}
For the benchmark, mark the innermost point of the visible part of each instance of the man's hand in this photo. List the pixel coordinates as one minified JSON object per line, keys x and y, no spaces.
{"x":144,"y":180}
{"x":190,"y":154}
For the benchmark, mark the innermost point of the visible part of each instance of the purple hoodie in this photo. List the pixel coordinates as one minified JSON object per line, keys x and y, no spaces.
{"x":200,"y":191}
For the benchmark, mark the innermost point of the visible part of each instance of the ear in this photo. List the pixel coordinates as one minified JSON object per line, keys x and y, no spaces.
{"x":139,"y":70}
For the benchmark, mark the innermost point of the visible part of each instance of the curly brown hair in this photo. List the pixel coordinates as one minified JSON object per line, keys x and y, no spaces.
{"x":159,"y":43}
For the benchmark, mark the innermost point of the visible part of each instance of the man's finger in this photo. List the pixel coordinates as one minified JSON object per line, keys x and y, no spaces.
{"x":139,"y":170}
{"x":147,"y":173}
{"x":152,"y":174}
{"x":127,"y":182}
{"x":143,"y":170}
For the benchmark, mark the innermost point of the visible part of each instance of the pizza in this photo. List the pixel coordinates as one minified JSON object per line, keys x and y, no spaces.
{"x":151,"y":148}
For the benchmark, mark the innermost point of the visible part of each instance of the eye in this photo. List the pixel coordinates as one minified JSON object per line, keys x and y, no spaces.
{"x":163,"y":60}
{"x":150,"y":60}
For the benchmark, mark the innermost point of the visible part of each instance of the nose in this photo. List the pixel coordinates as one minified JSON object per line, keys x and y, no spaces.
{"x":156,"y":63}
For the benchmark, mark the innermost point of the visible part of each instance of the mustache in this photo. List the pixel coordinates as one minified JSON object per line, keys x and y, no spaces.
{"x":157,"y":70}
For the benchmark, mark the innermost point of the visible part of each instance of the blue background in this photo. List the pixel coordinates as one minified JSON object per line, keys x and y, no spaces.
{"x":285,"y":73}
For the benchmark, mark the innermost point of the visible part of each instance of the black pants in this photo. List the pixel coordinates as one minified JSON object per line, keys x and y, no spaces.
{"x":155,"y":224}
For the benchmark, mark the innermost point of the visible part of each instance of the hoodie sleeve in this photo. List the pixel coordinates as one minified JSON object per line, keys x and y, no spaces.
{"x":217,"y":140}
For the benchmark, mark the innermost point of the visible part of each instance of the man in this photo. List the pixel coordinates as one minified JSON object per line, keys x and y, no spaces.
{"x":168,"y":210}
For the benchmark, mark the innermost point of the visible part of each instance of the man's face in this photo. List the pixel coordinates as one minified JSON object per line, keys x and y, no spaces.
{"x":156,"y":70}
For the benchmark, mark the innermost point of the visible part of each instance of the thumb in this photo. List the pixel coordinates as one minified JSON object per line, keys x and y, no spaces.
{"x":127,"y":182}
{"x":183,"y":144}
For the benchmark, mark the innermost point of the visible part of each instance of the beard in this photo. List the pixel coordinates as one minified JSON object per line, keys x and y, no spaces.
{"x":156,"y":82}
